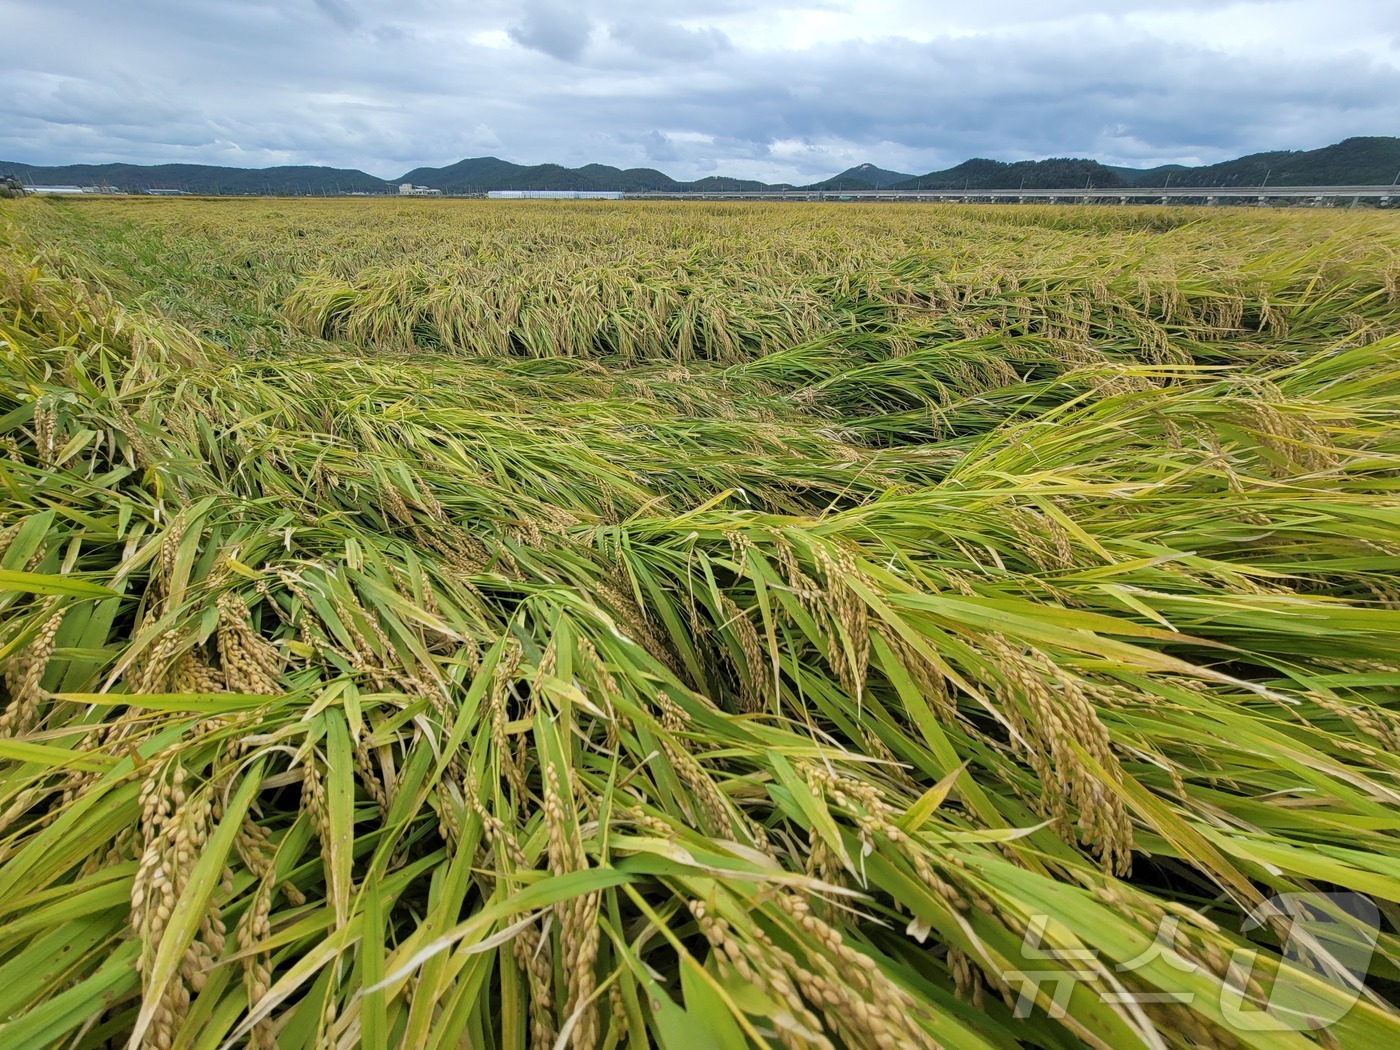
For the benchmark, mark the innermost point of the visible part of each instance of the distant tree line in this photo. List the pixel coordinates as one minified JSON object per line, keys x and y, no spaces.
{"x":1357,"y":161}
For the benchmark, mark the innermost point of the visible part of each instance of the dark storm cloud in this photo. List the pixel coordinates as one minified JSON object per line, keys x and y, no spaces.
{"x":557,"y":29}
{"x":1057,"y":98}
{"x":659,"y":149}
{"x":796,"y":92}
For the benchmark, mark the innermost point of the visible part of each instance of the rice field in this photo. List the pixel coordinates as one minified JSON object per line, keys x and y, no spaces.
{"x":542,"y":625}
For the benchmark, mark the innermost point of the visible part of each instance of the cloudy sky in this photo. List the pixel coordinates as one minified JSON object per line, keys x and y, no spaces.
{"x":784,"y":91}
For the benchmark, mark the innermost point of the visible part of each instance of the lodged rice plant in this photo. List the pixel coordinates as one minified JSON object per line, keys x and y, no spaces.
{"x":548,"y":626}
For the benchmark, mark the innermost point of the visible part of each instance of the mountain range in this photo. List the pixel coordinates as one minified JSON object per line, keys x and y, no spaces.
{"x":1366,"y":161}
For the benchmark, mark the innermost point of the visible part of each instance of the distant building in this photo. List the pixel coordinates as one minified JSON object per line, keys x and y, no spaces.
{"x":166,"y":193}
{"x":71,"y":191}
{"x":556,"y":195}
{"x":407,"y":189}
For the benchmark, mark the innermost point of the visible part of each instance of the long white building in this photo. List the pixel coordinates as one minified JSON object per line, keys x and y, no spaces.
{"x":556,"y":195}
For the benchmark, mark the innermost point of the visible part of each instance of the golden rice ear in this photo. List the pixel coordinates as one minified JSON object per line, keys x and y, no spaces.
{"x":744,"y":625}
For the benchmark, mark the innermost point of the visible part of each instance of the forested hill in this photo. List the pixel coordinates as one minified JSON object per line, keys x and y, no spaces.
{"x":862,"y":177}
{"x":980,"y":174}
{"x":482,"y":174}
{"x":1373,"y":161}
{"x":200,"y":178}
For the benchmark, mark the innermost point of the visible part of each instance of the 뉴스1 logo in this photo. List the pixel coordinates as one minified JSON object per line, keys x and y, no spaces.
{"x":1326,"y":941}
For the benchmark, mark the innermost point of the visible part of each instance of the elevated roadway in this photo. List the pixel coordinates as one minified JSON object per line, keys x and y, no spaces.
{"x":1384,"y":196}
